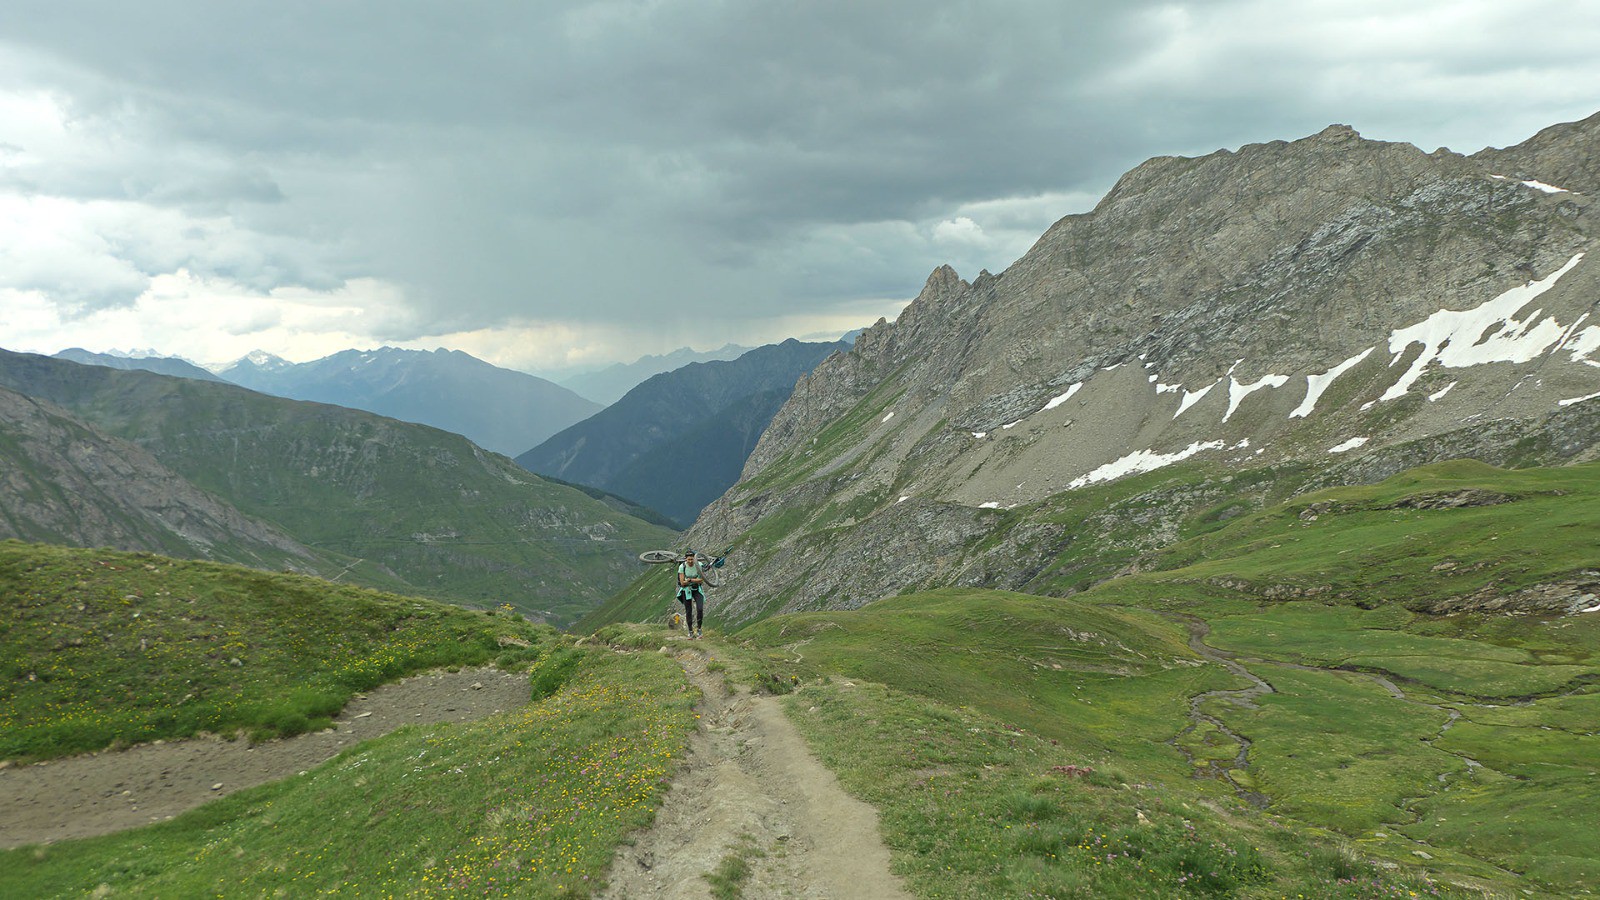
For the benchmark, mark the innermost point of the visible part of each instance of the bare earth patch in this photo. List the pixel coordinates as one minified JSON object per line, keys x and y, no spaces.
{"x":752,"y":789}
{"x":100,"y":793}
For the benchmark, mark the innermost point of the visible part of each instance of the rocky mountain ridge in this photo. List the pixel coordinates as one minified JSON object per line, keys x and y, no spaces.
{"x":1304,"y":304}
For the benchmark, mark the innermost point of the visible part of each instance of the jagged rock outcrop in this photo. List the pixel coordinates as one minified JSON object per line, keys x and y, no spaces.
{"x":1307,"y":304}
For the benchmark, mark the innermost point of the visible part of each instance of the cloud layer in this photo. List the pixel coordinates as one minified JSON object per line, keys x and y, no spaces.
{"x":562,"y":184}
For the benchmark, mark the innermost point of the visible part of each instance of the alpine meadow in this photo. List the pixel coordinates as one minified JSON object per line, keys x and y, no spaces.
{"x":1241,"y":539}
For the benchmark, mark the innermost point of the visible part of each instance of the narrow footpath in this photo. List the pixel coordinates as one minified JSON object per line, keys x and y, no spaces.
{"x":752,"y":790}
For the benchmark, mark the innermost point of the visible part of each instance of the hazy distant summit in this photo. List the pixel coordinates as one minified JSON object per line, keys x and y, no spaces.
{"x":148,"y":361}
{"x":498,"y":409}
{"x":609,"y":384}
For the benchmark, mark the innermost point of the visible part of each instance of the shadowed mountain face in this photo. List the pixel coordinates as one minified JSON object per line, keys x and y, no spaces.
{"x":680,"y":439}
{"x":411,"y":507}
{"x":1289,"y":314}
{"x":495,"y":408}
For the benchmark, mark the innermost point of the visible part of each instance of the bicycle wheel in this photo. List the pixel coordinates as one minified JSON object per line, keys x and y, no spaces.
{"x":659,"y":556}
{"x":707,"y":575}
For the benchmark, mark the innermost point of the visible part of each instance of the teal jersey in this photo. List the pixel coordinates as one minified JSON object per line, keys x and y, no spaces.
{"x":688,"y":572}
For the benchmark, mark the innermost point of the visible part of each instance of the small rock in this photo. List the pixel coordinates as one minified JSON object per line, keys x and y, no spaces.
{"x":477,"y":685}
{"x":1422,"y":853}
{"x":361,"y":715}
{"x":217,"y":786}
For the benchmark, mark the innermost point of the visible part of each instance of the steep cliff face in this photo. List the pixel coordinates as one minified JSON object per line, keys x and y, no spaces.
{"x":1291,"y":306}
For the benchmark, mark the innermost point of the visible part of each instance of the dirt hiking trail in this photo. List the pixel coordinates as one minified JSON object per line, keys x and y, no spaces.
{"x":99,"y":793}
{"x":752,"y":788}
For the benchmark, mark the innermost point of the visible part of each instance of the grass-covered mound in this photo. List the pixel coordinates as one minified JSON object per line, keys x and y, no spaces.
{"x":530,"y":803}
{"x":1448,"y":536}
{"x":101,"y":649}
{"x":1109,"y":682}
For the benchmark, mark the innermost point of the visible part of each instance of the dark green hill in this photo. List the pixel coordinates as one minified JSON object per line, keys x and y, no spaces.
{"x":680,"y":439}
{"x":447,"y":519}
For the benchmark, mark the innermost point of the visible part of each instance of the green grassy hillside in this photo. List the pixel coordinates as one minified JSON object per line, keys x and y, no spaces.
{"x":101,"y":649}
{"x":408,"y":502}
{"x":105,"y":648}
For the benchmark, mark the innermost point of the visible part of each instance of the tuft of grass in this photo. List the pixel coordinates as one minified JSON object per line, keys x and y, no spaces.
{"x":728,"y":879}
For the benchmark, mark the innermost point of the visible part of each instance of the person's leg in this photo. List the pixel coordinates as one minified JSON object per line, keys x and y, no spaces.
{"x":699,"y":611}
{"x":688,"y":613}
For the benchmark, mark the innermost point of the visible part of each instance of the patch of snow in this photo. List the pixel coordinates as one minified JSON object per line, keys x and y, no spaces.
{"x":1348,"y":445}
{"x":1242,"y":445}
{"x":1062,"y":398}
{"x":1501,"y":177}
{"x":1368,"y":405}
{"x":1154,"y":378}
{"x":1439,"y":394}
{"x":887,"y":417}
{"x":1584,"y":343}
{"x":992,"y":504}
{"x":1113,"y":368}
{"x":1010,"y":425}
{"x":1547,"y":188}
{"x":1260,"y":451}
{"x":1595,"y":608}
{"x":1190,"y":399}
{"x":980,"y":435}
{"x":1316,"y":384}
{"x":903,"y":498}
{"x":1140,"y":461}
{"x":1576,"y":400}
{"x":1168,"y":388}
{"x":1237,"y":392}
{"x":1455,"y":338}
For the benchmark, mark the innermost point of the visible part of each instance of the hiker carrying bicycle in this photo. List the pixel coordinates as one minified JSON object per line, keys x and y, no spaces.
{"x":691,"y":592}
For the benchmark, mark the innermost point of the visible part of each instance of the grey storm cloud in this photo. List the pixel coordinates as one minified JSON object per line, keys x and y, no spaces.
{"x":572,"y":160}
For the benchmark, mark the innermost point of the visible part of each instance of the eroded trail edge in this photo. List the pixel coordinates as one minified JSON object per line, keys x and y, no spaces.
{"x":752,"y":790}
{"x":100,"y":793}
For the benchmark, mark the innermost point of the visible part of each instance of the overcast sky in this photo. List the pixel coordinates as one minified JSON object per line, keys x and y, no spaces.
{"x":555,"y":186}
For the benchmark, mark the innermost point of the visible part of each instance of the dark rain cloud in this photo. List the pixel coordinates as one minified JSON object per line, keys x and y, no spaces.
{"x":593,"y":160}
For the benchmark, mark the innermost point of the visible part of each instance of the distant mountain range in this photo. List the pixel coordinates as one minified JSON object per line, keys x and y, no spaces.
{"x":609,"y":384}
{"x":497,"y":409}
{"x":677,"y":441}
{"x":141,"y":461}
{"x":164,"y":365}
